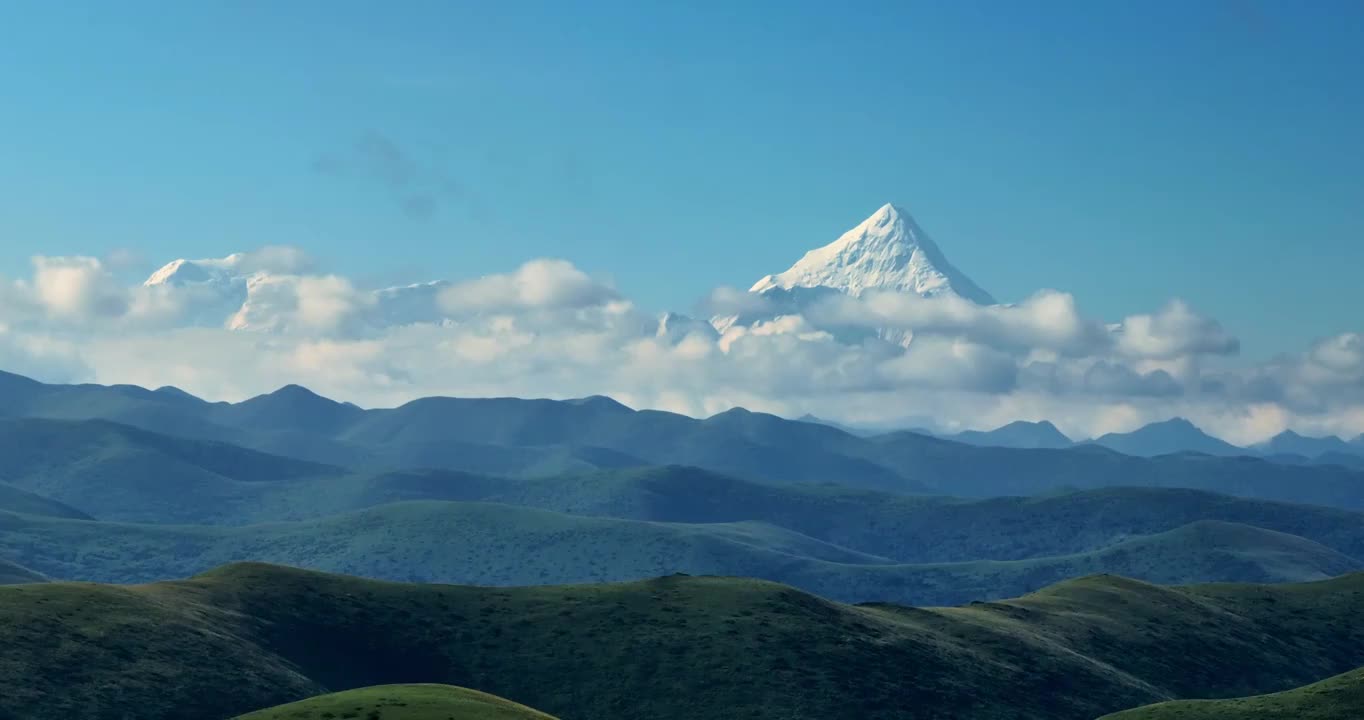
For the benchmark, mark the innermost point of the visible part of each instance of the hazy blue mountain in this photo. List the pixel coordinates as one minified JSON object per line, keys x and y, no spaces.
{"x":1020,"y":434}
{"x":119,"y":473}
{"x":1291,"y":443}
{"x":544,"y":437}
{"x":1350,"y":460}
{"x":15,"y":574}
{"x":1168,"y":437}
{"x":114,"y":471}
{"x":808,"y":418}
{"x":509,"y":436}
{"x":12,"y":499}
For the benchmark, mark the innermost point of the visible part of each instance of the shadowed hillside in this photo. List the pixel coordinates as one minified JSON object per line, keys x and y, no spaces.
{"x":1337,"y":698}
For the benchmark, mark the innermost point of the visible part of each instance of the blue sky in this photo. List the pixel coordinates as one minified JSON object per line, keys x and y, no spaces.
{"x":1124,"y":152}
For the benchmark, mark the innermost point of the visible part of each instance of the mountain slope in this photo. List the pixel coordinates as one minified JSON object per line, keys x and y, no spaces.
{"x":402,"y":702}
{"x":678,"y":648}
{"x":1337,"y":698}
{"x":116,"y":471}
{"x":511,"y":436}
{"x":1168,"y":437}
{"x":1018,"y":434}
{"x":1291,"y":443}
{"x":123,"y":474}
{"x":14,"y":574}
{"x":14,"y":500}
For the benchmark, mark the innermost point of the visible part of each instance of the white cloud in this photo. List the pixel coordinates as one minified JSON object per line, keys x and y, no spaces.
{"x":538,"y":284}
{"x":77,"y":289}
{"x":299,"y":303}
{"x":547,"y":329}
{"x":1174,"y":331}
{"x":41,"y":357}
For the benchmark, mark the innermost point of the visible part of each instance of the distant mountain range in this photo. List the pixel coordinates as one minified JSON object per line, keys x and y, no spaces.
{"x":1166,"y":437}
{"x":509,"y":436}
{"x":540,"y":507}
{"x":536,"y":492}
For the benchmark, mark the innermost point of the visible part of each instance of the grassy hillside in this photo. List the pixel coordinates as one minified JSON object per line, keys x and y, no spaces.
{"x":490,"y":544}
{"x":14,"y":574}
{"x":1337,"y":698}
{"x":251,"y":636}
{"x":402,"y":702}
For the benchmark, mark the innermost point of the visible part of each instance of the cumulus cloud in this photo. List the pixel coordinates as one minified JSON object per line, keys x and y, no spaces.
{"x":41,"y":357}
{"x":727,"y":300}
{"x":547,"y":329}
{"x":306,"y":304}
{"x":76,"y":289}
{"x":1174,"y":331}
{"x":538,"y":284}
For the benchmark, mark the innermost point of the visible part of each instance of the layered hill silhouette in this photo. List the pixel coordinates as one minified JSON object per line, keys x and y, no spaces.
{"x":250,"y":636}
{"x":507,"y":436}
{"x":95,"y":500}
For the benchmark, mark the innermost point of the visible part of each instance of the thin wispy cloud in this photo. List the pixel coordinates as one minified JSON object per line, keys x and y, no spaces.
{"x":420,"y":189}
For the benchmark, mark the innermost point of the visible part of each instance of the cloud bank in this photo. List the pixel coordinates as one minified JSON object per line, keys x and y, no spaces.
{"x":246,"y":324}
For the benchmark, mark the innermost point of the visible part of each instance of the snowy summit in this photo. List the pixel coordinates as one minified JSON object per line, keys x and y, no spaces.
{"x":887,"y":251}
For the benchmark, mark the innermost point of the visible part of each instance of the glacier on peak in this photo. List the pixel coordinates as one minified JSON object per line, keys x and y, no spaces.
{"x":182,"y":272}
{"x":887,"y":251}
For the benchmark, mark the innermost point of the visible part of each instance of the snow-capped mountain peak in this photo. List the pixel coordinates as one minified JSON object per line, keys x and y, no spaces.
{"x":887,"y":251}
{"x":177,"y":273}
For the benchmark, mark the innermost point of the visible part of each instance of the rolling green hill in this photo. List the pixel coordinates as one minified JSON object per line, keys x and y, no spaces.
{"x":1337,"y":698}
{"x":402,"y":702}
{"x":490,"y":544}
{"x":250,"y":636}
